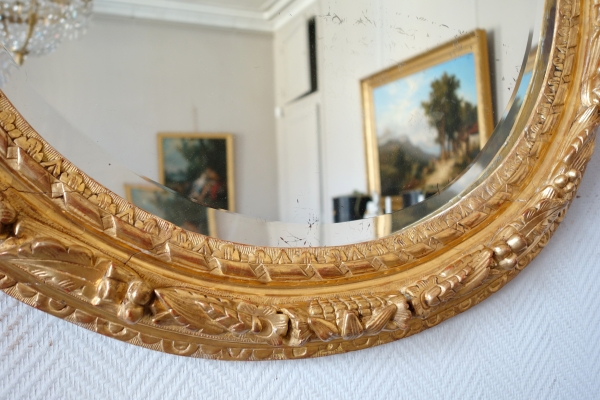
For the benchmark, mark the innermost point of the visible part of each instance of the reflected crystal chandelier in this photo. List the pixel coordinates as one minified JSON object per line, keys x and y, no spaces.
{"x":37,"y":27}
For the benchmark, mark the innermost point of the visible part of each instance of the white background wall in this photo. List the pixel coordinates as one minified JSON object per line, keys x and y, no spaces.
{"x":538,"y":338}
{"x":126,"y":80}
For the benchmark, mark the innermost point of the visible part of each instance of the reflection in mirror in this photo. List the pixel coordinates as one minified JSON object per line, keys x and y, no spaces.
{"x":293,"y":114}
{"x":37,"y":27}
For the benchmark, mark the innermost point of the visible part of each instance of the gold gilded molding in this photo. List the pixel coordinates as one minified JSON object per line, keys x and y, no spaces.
{"x":71,"y":248}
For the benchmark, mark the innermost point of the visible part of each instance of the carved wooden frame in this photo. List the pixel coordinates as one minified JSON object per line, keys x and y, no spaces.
{"x":73,"y":249}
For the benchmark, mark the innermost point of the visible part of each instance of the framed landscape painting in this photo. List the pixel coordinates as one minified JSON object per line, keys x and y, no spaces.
{"x":199,"y":166}
{"x":168,"y":206}
{"x":426,"y":119}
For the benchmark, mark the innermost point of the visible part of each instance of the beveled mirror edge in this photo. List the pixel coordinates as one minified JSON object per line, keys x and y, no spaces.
{"x":75,"y":250}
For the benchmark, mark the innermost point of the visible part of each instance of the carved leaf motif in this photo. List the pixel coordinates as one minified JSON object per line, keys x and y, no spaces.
{"x":301,"y":331}
{"x":275,"y":329}
{"x":181,"y":304}
{"x":203,"y":248}
{"x":199,"y":312}
{"x":480,"y":266}
{"x":54,"y":166}
{"x":380,"y":319}
{"x":73,"y":180}
{"x":149,"y":226}
{"x":254,"y":310}
{"x":32,"y":146}
{"x":70,"y":268}
{"x":583,"y":156}
{"x":584,"y":125}
{"x":403,"y":313}
{"x":544,"y":210}
{"x":438,"y":289}
{"x":228,"y":252}
{"x":51,"y":249}
{"x":7,"y":119}
{"x":180,"y":238}
{"x":126,"y":215}
{"x":226,"y":317}
{"x":323,"y":329}
{"x":350,"y":326}
{"x":282,"y":258}
{"x":354,"y":255}
{"x":104,"y":201}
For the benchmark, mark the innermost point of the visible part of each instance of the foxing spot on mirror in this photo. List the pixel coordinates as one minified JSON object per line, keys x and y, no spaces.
{"x":304,"y":95}
{"x":291,"y":179}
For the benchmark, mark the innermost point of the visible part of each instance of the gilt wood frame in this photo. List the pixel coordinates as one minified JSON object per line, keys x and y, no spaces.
{"x":73,"y":249}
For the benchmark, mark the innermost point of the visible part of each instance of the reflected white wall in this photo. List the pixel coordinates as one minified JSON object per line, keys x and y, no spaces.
{"x":126,"y":80}
{"x":358,"y":38}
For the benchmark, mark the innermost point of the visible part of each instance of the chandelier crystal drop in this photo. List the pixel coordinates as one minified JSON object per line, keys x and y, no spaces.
{"x":37,"y":27}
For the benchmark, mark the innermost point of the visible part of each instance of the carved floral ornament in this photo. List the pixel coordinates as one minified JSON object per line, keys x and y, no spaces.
{"x":73,"y":249}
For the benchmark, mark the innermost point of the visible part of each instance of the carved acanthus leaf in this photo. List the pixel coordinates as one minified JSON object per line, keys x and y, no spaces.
{"x":461,"y":277}
{"x":380,"y":319}
{"x":73,"y":269}
{"x":181,"y":305}
{"x":199,"y":312}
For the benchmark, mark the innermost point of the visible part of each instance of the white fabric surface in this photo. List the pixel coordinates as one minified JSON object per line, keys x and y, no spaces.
{"x":538,"y":338}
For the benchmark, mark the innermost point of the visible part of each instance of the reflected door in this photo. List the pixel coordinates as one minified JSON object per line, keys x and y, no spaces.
{"x":299,"y":163}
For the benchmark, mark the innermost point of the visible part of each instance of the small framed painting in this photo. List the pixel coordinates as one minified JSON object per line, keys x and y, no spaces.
{"x":199,"y":166}
{"x":169,"y":206}
{"x":427,"y":118}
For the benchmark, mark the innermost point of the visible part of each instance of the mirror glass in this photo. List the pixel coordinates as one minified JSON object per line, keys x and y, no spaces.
{"x":287,"y":122}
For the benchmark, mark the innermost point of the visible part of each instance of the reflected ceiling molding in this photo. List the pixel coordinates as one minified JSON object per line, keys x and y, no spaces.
{"x":259,"y":15}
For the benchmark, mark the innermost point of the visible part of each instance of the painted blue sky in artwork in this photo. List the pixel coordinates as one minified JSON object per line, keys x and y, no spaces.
{"x":398,"y":110}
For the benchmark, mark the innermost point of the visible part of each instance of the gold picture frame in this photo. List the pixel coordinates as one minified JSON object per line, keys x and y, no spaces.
{"x":463,"y":58}
{"x":217,"y":160}
{"x":73,"y":248}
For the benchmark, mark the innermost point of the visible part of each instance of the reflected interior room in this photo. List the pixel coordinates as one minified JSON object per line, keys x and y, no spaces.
{"x":335,"y":111}
{"x":310,"y":177}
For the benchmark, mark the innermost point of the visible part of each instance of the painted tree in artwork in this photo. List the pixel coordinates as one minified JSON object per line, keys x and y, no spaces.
{"x":468,"y":126}
{"x":443,"y":111}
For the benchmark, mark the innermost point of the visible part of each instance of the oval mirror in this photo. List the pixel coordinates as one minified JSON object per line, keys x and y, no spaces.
{"x":285,"y":179}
